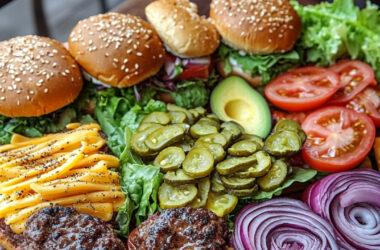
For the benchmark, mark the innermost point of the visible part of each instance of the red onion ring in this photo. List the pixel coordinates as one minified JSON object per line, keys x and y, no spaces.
{"x":281,"y":224}
{"x":350,"y":201}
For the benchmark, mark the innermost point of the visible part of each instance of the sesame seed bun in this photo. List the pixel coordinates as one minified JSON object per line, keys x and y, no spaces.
{"x":37,"y":76}
{"x":117,"y":49}
{"x":184,"y":32}
{"x":256,"y":26}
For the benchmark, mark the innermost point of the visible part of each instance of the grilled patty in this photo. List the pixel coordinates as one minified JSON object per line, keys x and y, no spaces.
{"x":63,"y":228}
{"x":181,"y":228}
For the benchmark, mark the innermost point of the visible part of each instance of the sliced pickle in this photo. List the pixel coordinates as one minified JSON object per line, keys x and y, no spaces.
{"x":275,"y":177}
{"x":170,"y":159}
{"x":201,"y":129}
{"x":198,"y":163}
{"x":254,"y":138}
{"x":186,"y":144}
{"x":185,"y":126}
{"x":290,"y":125}
{"x":234,"y":128}
{"x":145,"y":126}
{"x":172,"y":107}
{"x":221,"y":204}
{"x":216,"y":184}
{"x":195,"y":114}
{"x":283,"y":143}
{"x":157,"y":117}
{"x":138,"y":140}
{"x":203,"y":190}
{"x":244,"y":192}
{"x":201,"y":110}
{"x":213,"y":117}
{"x":177,"y":117}
{"x":243,"y":148}
{"x":164,"y":137}
{"x":213,"y":138}
{"x":234,"y":164}
{"x":176,"y":196}
{"x":256,"y":170}
{"x":178,"y":177}
{"x":237,"y":182}
{"x":216,"y":150}
{"x":228,"y":135}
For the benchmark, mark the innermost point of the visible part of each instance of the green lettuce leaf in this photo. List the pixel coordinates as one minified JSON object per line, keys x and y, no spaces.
{"x":140,"y":183}
{"x":267,"y":66}
{"x":332,"y":31}
{"x":298,"y":175}
{"x":191,"y":94}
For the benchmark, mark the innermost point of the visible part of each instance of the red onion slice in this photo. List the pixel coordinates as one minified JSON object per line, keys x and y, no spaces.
{"x":350,"y":201}
{"x":281,"y":224}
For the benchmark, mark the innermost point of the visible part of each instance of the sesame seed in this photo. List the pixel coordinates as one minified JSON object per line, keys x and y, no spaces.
{"x":2,"y":98}
{"x":28,"y":98}
{"x":139,"y":54}
{"x":18,"y":91}
{"x":46,"y":90}
{"x":31,"y":92}
{"x":136,"y":66}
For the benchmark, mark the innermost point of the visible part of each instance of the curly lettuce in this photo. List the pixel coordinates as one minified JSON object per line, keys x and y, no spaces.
{"x":332,"y":31}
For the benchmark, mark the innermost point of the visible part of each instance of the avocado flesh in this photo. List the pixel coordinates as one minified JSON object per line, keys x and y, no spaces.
{"x":235,"y":100}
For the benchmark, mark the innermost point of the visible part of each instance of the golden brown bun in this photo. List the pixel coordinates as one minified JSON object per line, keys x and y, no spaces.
{"x":37,"y":76}
{"x":253,"y":81}
{"x":180,"y":27}
{"x":257,"y":26}
{"x":117,"y":49}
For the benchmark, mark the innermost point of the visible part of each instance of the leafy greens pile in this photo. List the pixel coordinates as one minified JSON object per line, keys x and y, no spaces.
{"x":332,"y":31}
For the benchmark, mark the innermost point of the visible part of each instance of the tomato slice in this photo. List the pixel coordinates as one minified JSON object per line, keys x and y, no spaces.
{"x":367,"y":101}
{"x":337,"y":138}
{"x":354,"y":77}
{"x":303,"y":89}
{"x":195,"y":72}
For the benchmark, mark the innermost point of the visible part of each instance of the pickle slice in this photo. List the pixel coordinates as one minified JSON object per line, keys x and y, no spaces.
{"x":275,"y":177}
{"x":157,"y":117}
{"x":221,"y":204}
{"x":254,"y":138}
{"x":244,"y":192}
{"x":145,"y":126}
{"x":213,"y":138}
{"x":201,"y":129}
{"x":176,"y":196}
{"x":177,"y":117}
{"x":216,"y":184}
{"x":172,"y":107}
{"x":234,"y":128}
{"x":243,"y":148}
{"x":170,"y":158}
{"x":262,"y":166}
{"x":234,"y":164}
{"x":203,"y":190}
{"x":178,"y":177}
{"x":186,"y":144}
{"x":184,"y":126}
{"x":283,"y":143}
{"x":237,"y":182}
{"x":200,"y":110}
{"x":138,"y":140}
{"x":164,"y":137}
{"x":290,"y":125}
{"x":198,"y":163}
{"x":216,"y":150}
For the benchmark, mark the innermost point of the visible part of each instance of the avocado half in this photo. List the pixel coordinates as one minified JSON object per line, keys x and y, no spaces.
{"x":233,"y":99}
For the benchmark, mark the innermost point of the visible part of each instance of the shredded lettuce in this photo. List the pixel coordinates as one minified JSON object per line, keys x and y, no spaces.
{"x":267,"y":66}
{"x":332,"y":31}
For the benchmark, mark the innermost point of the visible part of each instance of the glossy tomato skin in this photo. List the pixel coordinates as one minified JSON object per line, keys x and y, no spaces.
{"x":195,"y":72}
{"x":337,"y":138}
{"x":296,"y":116}
{"x":303,"y":88}
{"x":355,"y":76}
{"x":368,"y":102}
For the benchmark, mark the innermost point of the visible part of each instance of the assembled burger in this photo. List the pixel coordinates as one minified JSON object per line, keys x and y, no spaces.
{"x":258,"y":38}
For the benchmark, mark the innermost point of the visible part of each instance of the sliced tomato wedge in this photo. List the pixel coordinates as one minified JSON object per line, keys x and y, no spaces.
{"x":337,"y":138}
{"x":354,"y":77}
{"x":367,"y":101}
{"x":195,"y":72}
{"x":303,"y":89}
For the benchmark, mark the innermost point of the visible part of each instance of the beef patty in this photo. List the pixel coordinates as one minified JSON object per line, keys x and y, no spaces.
{"x":181,"y":228}
{"x":64,"y":228}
